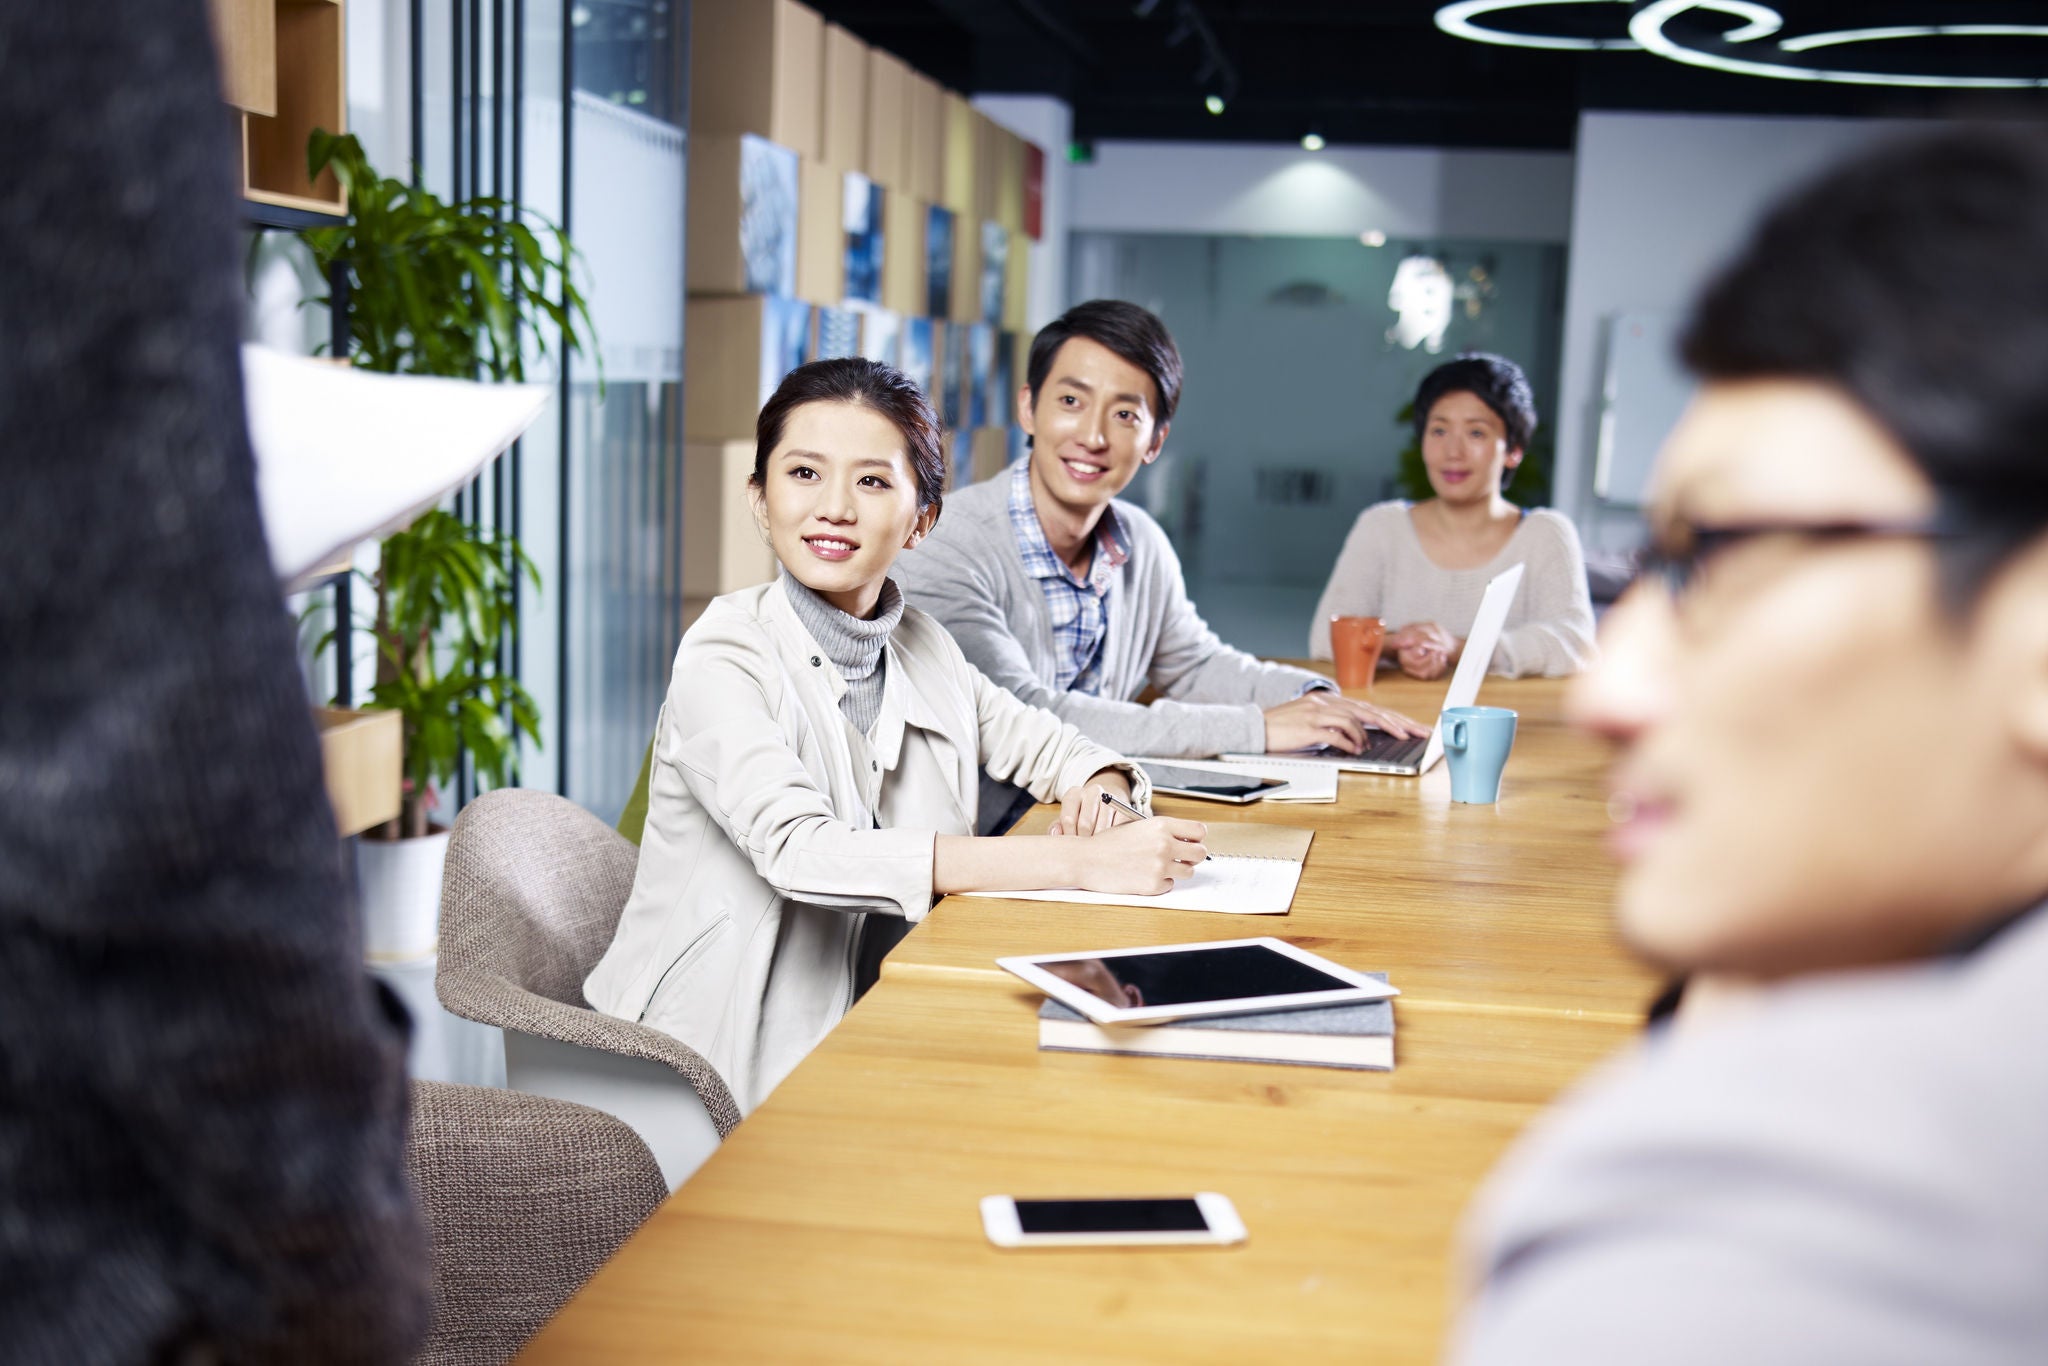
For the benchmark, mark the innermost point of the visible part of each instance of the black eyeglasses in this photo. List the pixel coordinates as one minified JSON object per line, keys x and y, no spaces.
{"x":1677,"y":557}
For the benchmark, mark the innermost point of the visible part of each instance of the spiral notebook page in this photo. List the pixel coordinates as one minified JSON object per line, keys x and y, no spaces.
{"x":1259,"y":881}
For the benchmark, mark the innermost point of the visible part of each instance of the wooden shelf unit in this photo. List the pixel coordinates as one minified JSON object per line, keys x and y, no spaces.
{"x":284,"y":65}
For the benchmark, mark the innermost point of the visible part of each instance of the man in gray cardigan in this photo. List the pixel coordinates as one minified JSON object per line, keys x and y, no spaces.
{"x":1074,"y":601}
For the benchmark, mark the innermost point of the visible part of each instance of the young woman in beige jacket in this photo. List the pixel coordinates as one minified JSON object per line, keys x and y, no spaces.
{"x":817,"y":761}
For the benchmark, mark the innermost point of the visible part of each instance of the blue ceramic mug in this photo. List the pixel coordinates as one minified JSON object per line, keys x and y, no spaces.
{"x":1476,"y":741}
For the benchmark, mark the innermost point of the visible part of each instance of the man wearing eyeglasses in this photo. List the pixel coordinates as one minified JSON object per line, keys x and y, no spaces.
{"x":1832,"y":808}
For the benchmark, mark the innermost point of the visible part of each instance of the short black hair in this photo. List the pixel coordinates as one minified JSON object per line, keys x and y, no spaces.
{"x":1914,"y":278}
{"x":868,"y":384}
{"x":1134,"y":333}
{"x":1494,"y":380}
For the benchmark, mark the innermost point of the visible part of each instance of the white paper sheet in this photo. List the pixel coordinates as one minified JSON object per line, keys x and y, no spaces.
{"x":1232,"y":886}
{"x":343,"y":455}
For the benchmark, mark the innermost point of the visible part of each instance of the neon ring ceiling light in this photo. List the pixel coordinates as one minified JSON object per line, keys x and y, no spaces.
{"x":1649,"y":25}
{"x":1457,"y":20}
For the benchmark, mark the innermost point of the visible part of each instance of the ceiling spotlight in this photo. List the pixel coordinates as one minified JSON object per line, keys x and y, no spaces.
{"x":1312,"y":141}
{"x":1375,"y":238}
{"x":1213,"y":103}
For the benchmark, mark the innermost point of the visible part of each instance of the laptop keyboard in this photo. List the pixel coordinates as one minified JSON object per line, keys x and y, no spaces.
{"x":1382,"y":748}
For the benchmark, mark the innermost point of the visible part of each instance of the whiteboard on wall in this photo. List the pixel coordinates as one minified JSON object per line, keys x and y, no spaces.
{"x":1641,"y":397}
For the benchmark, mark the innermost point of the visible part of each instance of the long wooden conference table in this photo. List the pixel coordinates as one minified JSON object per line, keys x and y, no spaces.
{"x":840,"y":1222}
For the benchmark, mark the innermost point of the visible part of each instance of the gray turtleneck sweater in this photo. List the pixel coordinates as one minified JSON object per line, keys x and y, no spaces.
{"x":854,"y":646}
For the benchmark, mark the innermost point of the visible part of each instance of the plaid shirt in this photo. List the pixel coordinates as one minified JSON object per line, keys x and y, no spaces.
{"x":1078,"y":607}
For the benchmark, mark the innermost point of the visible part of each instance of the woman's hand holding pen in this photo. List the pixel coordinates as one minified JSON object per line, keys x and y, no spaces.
{"x":1125,"y":852}
{"x":1129,"y":852}
{"x":1141,"y":858}
{"x":1094,"y":806}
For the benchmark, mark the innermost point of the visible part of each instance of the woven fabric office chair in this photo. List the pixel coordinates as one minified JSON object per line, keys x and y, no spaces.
{"x":524,"y":1198}
{"x":532,"y":893}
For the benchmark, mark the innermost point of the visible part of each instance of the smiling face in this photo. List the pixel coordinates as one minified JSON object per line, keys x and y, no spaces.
{"x":839,"y":502}
{"x":1093,"y":426}
{"x":1465,"y":449}
{"x":1820,"y":767}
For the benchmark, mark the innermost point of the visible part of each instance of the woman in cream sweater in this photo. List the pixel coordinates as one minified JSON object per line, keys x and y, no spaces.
{"x":818,"y":757}
{"x":1421,"y":568}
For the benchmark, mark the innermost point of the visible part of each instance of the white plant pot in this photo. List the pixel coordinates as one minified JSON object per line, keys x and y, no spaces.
{"x":399,"y":883}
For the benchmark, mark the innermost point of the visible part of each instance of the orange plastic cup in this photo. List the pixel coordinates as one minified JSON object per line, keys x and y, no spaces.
{"x":1356,"y":641}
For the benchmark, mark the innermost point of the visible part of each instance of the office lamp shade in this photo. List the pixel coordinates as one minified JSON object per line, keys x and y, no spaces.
{"x":343,"y":455}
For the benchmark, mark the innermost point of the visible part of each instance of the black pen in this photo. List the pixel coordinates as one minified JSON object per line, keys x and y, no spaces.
{"x":1120,"y":804}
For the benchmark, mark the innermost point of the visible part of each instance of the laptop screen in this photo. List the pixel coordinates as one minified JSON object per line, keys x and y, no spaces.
{"x":1479,"y":643}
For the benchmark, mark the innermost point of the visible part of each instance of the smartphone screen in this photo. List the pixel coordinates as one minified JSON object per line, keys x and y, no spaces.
{"x":1175,"y":1215}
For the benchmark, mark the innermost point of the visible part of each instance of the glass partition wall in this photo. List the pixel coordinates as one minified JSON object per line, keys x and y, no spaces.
{"x":620,"y":512}
{"x":576,"y":109}
{"x":1301,"y":355}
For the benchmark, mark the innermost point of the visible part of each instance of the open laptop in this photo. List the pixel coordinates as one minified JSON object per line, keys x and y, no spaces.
{"x":1406,"y":755}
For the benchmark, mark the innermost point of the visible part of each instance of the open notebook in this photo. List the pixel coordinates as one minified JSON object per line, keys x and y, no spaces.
{"x":1251,"y":870}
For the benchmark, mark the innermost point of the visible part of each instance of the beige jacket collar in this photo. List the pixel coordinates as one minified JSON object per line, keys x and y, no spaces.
{"x":807,"y":663}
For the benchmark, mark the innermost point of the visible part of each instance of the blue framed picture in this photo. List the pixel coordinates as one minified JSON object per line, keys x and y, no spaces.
{"x":981,"y":364}
{"x":863,"y":222}
{"x":881,"y":335}
{"x":952,"y":378}
{"x":838,"y":333}
{"x":995,"y":270}
{"x":938,"y":262}
{"x":914,"y":355}
{"x":1002,"y":381}
{"x":768,"y":208}
{"x":785,"y":340}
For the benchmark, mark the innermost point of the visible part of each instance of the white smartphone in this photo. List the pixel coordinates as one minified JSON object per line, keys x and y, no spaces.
{"x":1116,"y":1221}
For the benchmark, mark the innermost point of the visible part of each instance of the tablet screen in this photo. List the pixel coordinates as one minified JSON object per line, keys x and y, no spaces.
{"x":1233,"y":972}
{"x":1169,"y":778}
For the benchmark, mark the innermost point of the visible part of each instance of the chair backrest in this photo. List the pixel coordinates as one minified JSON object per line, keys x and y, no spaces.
{"x":524,"y":1198}
{"x":532,"y":892}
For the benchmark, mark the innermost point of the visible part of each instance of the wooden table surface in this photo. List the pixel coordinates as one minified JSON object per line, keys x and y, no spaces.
{"x":840,"y":1223}
{"x":1504,"y":906}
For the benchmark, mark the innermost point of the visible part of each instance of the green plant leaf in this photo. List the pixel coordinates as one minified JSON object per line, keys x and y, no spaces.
{"x":451,"y":289}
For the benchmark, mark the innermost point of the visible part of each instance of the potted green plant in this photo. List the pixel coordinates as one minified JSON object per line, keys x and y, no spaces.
{"x":458,"y":290}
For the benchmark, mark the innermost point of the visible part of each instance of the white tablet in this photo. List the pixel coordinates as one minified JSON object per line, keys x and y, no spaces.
{"x":1186,"y":981}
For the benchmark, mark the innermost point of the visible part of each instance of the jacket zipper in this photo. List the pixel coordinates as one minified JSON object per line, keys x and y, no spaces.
{"x":681,"y":958}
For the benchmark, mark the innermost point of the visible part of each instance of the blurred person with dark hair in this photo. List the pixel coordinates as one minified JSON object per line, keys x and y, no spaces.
{"x":1422,"y":568}
{"x":1832,"y":701}
{"x":816,"y":764}
{"x":1073,"y":599}
{"x":202,"y":1104}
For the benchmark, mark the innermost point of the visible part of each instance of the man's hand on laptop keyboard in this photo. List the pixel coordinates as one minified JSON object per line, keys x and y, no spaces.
{"x":1325,"y":718}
